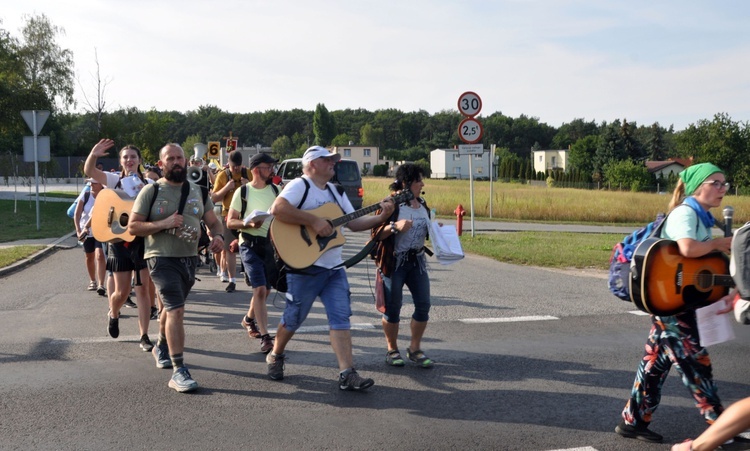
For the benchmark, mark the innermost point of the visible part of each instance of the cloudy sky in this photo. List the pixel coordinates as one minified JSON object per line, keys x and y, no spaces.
{"x":674,"y":62}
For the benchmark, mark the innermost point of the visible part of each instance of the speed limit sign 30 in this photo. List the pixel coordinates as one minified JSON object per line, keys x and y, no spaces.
{"x":469,"y":104}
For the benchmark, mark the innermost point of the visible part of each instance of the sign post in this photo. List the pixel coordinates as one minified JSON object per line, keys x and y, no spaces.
{"x":32,"y":149}
{"x":470,"y":131}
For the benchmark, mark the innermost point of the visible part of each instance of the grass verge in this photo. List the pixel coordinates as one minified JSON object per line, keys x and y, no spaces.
{"x":18,"y":221}
{"x":10,"y":255}
{"x":554,"y":250}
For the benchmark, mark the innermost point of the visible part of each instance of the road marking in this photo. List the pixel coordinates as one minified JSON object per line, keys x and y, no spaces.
{"x":515,"y":319}
{"x":638,"y":313}
{"x":325,"y":328}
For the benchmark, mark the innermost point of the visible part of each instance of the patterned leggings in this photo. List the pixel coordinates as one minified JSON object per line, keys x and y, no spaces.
{"x":672,"y":340}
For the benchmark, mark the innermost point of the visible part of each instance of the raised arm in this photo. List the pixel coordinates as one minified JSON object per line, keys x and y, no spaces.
{"x":89,"y":168}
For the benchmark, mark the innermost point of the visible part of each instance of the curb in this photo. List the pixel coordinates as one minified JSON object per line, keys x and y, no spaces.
{"x":17,"y":266}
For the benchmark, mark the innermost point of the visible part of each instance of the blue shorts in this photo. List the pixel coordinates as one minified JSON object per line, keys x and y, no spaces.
{"x":253,"y":255}
{"x":332,"y":287}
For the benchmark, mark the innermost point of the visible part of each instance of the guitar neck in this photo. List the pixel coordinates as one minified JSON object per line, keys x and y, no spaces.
{"x":341,"y":220}
{"x":723,"y":280}
{"x":403,"y":196}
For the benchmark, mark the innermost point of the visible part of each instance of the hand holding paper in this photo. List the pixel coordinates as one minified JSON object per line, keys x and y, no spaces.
{"x":445,"y":243}
{"x":256,"y":217}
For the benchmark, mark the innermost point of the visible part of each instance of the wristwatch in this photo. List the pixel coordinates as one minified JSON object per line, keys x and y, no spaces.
{"x":394,"y":230}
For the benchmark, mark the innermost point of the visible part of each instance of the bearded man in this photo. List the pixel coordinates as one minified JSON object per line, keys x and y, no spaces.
{"x":172,"y":258}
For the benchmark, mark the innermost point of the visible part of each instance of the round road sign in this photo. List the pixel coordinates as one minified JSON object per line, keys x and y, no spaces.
{"x":469,"y":104}
{"x":470,"y":130}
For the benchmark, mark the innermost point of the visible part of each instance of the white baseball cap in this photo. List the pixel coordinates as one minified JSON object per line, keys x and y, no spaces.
{"x":315,"y":152}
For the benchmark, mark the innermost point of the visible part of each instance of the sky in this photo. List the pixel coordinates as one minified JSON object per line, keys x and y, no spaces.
{"x":674,"y":62}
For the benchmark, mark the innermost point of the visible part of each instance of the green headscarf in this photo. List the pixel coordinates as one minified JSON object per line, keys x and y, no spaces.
{"x":694,"y":175}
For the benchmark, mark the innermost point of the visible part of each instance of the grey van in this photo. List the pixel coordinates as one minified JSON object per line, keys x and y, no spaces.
{"x":346,"y":174}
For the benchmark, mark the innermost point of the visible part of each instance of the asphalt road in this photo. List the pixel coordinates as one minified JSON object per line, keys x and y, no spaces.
{"x":527,"y":359}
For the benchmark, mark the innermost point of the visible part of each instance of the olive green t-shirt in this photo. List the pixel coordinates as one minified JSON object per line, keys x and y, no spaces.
{"x":167,"y":201}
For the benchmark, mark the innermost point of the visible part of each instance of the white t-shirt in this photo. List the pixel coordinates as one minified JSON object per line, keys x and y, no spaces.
{"x":316,"y":197}
{"x":131,"y":185}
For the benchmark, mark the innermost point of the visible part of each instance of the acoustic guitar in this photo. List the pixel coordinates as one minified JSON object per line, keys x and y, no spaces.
{"x":109,"y":216}
{"x":664,"y":283}
{"x":300,"y":247}
{"x":111,"y":213}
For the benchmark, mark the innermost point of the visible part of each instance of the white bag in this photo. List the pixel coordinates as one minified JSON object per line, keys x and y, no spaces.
{"x":445,"y":243}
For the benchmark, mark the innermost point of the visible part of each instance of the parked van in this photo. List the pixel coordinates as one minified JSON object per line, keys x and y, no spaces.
{"x":346,"y":174}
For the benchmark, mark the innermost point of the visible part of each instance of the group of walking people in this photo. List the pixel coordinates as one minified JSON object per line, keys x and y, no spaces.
{"x":169,"y":261}
{"x":400,"y":232}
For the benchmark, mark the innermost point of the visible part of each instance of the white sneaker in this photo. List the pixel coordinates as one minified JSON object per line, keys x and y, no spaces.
{"x":224,"y":278}
{"x":742,"y":311}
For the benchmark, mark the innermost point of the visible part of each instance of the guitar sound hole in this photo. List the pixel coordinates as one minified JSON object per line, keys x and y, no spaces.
{"x":124,"y":220}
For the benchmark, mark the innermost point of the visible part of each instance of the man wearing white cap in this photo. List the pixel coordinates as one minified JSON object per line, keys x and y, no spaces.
{"x":326,"y":278}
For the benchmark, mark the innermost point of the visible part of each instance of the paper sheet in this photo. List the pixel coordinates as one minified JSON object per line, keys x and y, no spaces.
{"x":445,"y":243}
{"x":256,"y":216}
{"x":712,"y":328}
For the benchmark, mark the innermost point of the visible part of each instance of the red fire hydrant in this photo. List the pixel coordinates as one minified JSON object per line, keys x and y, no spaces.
{"x":460,"y":212}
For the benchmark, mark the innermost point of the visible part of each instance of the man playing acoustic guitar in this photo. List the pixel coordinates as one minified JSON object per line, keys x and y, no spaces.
{"x":674,"y":339}
{"x":326,"y":277}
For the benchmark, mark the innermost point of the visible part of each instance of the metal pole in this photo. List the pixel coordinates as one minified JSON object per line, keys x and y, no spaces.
{"x":36,"y":169}
{"x":492,"y":173}
{"x":471,"y":190}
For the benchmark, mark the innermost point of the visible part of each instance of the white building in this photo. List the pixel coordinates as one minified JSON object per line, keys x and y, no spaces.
{"x":447,"y":163}
{"x":545,"y":160}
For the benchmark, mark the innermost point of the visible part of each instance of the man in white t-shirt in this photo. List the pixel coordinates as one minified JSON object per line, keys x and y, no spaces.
{"x":326,"y":278}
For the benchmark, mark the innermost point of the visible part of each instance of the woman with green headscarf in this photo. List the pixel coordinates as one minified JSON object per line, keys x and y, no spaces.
{"x":674,"y":340}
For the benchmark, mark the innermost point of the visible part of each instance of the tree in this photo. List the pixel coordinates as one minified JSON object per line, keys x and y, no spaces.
{"x":47,"y":66}
{"x":627,"y":174}
{"x":656,"y":149}
{"x":324,"y":128}
{"x":97,"y":103}
{"x":370,"y":136}
{"x":571,"y":132}
{"x":582,"y":152}
{"x":188,"y":145}
{"x":341,"y":140}
{"x":282,"y":147}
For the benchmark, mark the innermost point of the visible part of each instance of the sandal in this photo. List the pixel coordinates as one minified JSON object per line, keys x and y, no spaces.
{"x":393,"y":358}
{"x":419,"y":358}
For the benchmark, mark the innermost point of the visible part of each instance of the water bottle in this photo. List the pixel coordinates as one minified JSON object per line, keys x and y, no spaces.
{"x":433,"y":214}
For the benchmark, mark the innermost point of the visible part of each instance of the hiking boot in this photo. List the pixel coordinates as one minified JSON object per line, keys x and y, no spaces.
{"x":638,"y":432}
{"x":393,"y":358}
{"x":230,"y":288}
{"x":251,"y":327}
{"x":182,"y":381}
{"x":154,"y":313}
{"x":419,"y":358}
{"x":351,"y":380}
{"x":161,"y":355}
{"x":146,"y":344}
{"x":275,"y":366}
{"x":101,"y":291}
{"x":113,"y":328}
{"x":266,"y":344}
{"x":129,"y":303}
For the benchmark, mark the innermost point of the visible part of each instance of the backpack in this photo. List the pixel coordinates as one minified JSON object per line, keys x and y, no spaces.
{"x":622,"y":254}
{"x":72,"y":209}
